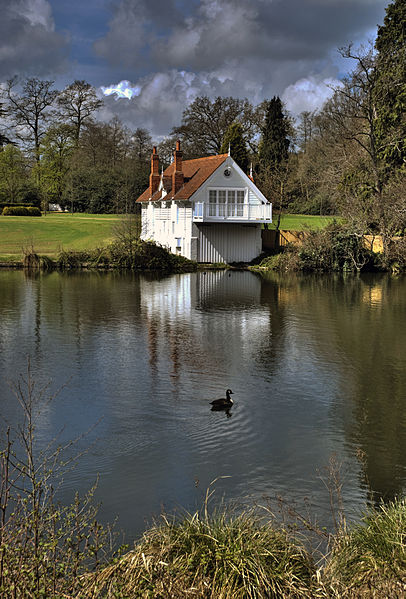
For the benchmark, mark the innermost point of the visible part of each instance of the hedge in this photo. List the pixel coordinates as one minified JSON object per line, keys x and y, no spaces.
{"x":21,"y":211}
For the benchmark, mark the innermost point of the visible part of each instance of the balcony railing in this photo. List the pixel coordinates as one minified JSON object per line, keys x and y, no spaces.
{"x":232,"y":212}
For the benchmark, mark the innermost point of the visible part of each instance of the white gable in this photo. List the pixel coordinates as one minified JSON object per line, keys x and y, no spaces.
{"x":237,"y":179}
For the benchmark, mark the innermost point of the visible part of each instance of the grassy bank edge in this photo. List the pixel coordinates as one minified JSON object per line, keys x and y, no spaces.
{"x":246,"y":555}
{"x":58,"y":232}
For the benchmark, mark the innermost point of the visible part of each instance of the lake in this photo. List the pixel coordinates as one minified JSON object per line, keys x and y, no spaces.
{"x":317,"y":365}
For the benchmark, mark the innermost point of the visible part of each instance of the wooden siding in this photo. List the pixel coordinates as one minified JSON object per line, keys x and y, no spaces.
{"x":229,"y":243}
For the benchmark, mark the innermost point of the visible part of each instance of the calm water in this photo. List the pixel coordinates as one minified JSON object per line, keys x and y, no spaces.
{"x":317,"y":366}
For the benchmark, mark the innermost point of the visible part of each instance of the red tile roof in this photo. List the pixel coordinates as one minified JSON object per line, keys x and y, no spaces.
{"x":195,"y":173}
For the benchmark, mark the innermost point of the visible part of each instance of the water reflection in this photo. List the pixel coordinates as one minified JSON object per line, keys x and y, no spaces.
{"x":317,"y":365}
{"x":361,"y":329}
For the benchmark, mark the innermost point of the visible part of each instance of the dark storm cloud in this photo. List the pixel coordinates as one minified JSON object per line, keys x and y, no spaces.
{"x":229,"y":47}
{"x":158,"y":35}
{"x":29,"y":44}
{"x":164,"y":53}
{"x":134,"y":27}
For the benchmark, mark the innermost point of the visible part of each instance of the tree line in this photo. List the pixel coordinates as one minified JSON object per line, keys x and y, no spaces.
{"x":347,"y":158}
{"x":54,"y":150}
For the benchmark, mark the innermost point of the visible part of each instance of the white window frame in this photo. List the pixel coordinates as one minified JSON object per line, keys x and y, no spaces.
{"x":222,"y":209}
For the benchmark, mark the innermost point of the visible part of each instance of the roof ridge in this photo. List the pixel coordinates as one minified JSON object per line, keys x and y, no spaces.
{"x":206,"y":157}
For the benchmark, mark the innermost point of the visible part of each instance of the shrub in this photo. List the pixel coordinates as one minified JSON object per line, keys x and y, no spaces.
{"x":72,"y":259}
{"x":287,"y":260}
{"x":32,"y":260}
{"x":21,"y":211}
{"x":396,"y":255}
{"x":44,"y":547}
{"x":143,"y":255}
{"x":334,"y":248}
{"x":33,"y":211}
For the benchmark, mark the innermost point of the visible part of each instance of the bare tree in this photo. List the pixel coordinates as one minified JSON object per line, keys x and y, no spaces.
{"x":353,"y":108}
{"x":30,"y":110}
{"x":78,"y":102}
{"x":305,"y":128}
{"x":142,"y":143}
{"x":205,"y":122}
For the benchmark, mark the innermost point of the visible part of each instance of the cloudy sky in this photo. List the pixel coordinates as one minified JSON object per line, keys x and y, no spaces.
{"x":158,"y":55}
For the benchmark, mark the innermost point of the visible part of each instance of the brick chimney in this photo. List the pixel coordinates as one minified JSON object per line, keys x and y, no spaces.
{"x":154,"y":177}
{"x":177,"y":175}
{"x":251,"y":175}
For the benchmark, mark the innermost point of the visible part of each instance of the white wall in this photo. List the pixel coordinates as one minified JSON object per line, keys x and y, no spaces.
{"x":170,"y":226}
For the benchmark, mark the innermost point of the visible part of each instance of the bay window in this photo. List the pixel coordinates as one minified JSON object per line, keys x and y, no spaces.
{"x":226,"y":202}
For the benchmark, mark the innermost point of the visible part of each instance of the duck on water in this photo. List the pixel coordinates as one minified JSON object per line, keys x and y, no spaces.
{"x":223,"y":402}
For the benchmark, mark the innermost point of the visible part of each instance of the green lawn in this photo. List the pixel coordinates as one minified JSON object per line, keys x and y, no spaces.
{"x":53,"y":232}
{"x":300,"y":222}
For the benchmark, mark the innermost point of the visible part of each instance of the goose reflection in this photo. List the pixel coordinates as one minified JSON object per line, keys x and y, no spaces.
{"x":226,"y":411}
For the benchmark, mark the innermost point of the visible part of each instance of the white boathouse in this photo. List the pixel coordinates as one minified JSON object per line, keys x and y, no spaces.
{"x":205,"y":209}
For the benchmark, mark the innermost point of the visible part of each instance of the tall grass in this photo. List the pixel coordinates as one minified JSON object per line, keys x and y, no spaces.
{"x":369,"y":560}
{"x":222,"y":556}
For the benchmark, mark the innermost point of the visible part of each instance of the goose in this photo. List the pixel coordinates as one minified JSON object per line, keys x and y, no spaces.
{"x":223,"y":402}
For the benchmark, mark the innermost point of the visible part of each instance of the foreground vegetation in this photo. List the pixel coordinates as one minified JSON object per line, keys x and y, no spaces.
{"x":336,"y":248}
{"x":53,"y":551}
{"x":226,"y":556}
{"x":219,"y":556}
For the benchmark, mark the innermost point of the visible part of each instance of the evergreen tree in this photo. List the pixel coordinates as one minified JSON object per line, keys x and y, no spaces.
{"x":274,"y":144}
{"x":234,"y":140}
{"x":390,"y":87}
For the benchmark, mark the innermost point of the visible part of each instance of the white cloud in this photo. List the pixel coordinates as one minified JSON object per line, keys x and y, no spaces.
{"x":308,"y":94}
{"x":124,"y":89}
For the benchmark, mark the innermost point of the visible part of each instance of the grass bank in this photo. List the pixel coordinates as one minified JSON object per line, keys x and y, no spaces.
{"x":93,"y":241}
{"x":79,"y":232}
{"x":54,"y":232}
{"x":226,"y":556}
{"x":219,"y":556}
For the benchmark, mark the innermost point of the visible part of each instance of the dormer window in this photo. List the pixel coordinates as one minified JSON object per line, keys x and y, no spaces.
{"x":226,"y":202}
